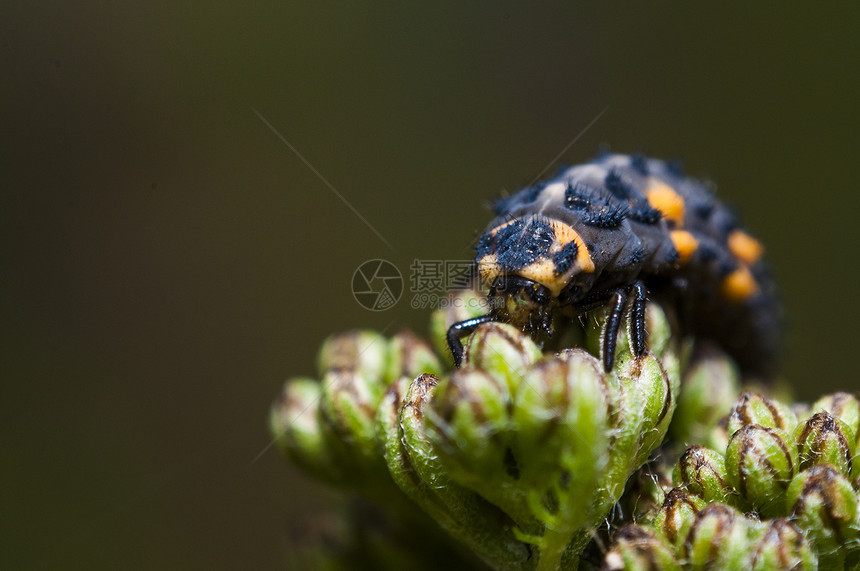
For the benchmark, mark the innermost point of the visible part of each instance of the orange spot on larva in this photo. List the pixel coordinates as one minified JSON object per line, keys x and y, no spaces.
{"x":664,"y":198}
{"x":739,"y":285}
{"x":685,"y":243}
{"x":745,"y":247}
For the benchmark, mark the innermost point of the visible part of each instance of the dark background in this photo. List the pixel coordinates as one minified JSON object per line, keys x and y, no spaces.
{"x":169,"y":262}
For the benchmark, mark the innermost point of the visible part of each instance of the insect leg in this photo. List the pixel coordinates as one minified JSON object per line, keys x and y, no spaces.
{"x":637,"y":319}
{"x":461,"y":329}
{"x":610,"y":330}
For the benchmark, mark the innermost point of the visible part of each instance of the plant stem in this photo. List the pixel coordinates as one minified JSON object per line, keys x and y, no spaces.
{"x":552,"y":547}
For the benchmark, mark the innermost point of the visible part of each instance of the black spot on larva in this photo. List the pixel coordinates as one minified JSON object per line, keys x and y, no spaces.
{"x":639,"y":163}
{"x":580,"y":196}
{"x":597,"y":207}
{"x":565,"y":258}
{"x":645,"y":215}
{"x":703,"y":210}
{"x":522,"y":242}
{"x":619,"y":185}
{"x":625,"y":190}
{"x":607,"y":217}
{"x":706,"y":253}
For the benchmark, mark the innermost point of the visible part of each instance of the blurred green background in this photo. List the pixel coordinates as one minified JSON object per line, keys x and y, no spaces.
{"x":169,"y":261}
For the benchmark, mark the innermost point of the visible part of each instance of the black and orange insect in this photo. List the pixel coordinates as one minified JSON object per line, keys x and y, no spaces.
{"x":618,"y":230}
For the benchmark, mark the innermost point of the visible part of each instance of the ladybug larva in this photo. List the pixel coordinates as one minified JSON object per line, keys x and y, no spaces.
{"x":613,"y":232}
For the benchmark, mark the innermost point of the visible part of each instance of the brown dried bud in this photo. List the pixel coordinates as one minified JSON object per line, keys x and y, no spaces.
{"x":825,"y":505}
{"x":703,"y":473}
{"x":636,"y":548}
{"x":843,"y":406}
{"x":718,"y":539}
{"x":753,"y":408}
{"x":824,"y":439}
{"x":760,"y":464}
{"x":677,"y":514}
{"x":783,"y":545}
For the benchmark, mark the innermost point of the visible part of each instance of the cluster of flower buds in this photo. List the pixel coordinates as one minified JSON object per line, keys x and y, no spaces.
{"x":530,"y":458}
{"x":777,"y":489}
{"x":518,"y":454}
{"x":330,"y":428}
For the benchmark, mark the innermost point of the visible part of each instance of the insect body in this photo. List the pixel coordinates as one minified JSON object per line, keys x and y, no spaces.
{"x":614,"y":231}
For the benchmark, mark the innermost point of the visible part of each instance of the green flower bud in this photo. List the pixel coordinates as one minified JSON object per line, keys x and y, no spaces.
{"x":411,"y":424}
{"x":295,"y":426}
{"x":399,"y":456}
{"x":753,"y":408}
{"x":387,"y":425}
{"x":561,"y":446}
{"x":501,"y":350}
{"x":414,"y":462}
{"x":760,"y":465}
{"x":363,"y":351}
{"x":824,"y":439}
{"x":677,"y":515}
{"x":458,"y":305}
{"x":468,"y":419}
{"x":640,"y":397}
{"x":348,"y":408}
{"x":823,"y":503}
{"x":410,"y":356}
{"x":783,"y":546}
{"x":468,"y":422}
{"x":845,"y":407}
{"x":718,"y":539}
{"x":703,"y":472}
{"x":561,"y":403}
{"x":637,"y":549}
{"x":648,"y":389}
{"x":708,"y":389}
